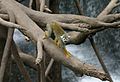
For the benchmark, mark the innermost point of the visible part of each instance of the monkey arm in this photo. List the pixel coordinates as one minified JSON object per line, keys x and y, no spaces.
{"x":48,"y":31}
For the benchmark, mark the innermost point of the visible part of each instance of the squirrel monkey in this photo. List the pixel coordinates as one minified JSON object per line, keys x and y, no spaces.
{"x":61,"y":37}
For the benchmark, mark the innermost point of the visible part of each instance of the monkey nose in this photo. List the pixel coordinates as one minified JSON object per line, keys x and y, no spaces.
{"x":65,"y":41}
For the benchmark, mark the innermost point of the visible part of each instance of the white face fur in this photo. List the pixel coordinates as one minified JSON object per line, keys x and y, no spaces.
{"x":65,"y":38}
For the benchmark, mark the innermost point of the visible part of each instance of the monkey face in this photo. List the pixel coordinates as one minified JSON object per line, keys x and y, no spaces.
{"x":65,"y":38}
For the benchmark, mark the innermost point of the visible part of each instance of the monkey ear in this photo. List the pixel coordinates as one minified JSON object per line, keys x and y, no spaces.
{"x":48,"y":25}
{"x":62,"y":37}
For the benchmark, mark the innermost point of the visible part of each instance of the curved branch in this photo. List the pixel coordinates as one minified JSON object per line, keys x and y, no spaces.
{"x":109,"y":8}
{"x":33,"y":31}
{"x":109,"y":18}
{"x":9,"y":24}
{"x":73,"y":63}
{"x":43,"y":18}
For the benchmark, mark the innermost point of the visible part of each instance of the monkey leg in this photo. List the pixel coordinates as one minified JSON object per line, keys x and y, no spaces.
{"x":46,"y":35}
{"x":56,"y":41}
{"x":59,"y":44}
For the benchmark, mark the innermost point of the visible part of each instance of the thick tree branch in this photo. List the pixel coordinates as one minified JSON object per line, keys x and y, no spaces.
{"x":36,"y":15}
{"x":33,"y":31}
{"x":72,"y":62}
{"x":6,"y":53}
{"x":42,"y":18}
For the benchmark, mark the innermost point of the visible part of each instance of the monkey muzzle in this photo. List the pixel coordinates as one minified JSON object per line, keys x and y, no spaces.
{"x":65,"y":38}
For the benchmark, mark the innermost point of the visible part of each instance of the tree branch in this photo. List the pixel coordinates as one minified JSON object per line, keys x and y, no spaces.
{"x":49,"y":67}
{"x":9,"y":24}
{"x":109,"y":8}
{"x":28,"y":60}
{"x":43,"y":18}
{"x":20,"y":63}
{"x":72,"y":62}
{"x":6,"y":53}
{"x":30,"y":4}
{"x":39,"y":52}
{"x":33,"y":31}
{"x":42,"y":5}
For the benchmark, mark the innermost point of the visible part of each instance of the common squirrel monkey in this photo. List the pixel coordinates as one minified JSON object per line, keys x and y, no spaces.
{"x":61,"y":37}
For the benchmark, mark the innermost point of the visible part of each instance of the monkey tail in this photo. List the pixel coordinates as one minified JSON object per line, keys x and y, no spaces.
{"x":67,"y":54}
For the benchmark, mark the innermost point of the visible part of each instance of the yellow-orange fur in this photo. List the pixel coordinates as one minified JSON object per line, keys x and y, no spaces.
{"x":57,"y":30}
